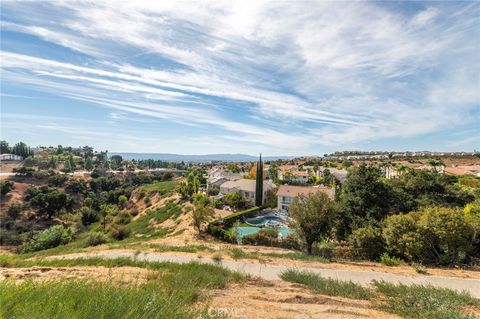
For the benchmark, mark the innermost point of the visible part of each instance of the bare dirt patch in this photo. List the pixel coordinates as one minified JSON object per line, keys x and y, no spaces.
{"x":119,"y":274}
{"x":282,"y":300}
{"x":15,"y":196}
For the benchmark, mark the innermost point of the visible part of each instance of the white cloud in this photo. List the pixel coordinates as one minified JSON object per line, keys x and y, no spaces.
{"x":331,"y":72}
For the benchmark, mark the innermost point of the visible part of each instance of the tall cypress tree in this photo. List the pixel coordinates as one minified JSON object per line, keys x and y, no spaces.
{"x":259,"y":184}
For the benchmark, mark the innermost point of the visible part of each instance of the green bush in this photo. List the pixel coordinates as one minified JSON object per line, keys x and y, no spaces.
{"x":14,"y":211}
{"x":6,"y":187}
{"x":122,"y":201}
{"x":57,"y":180}
{"x":49,"y":238}
{"x":119,"y":232}
{"x":290,"y":242}
{"x":88,"y":216}
{"x":419,"y":268}
{"x":235,"y":200}
{"x":216,"y":231}
{"x":134,"y":212}
{"x":265,"y":237}
{"x":122,"y":218}
{"x":95,"y":238}
{"x":387,"y":260}
{"x":433,"y":235}
{"x":324,"y":249}
{"x":368,"y":242}
{"x":403,"y":236}
{"x":449,"y":232}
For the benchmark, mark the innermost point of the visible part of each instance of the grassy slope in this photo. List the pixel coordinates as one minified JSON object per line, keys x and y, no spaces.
{"x":414,"y":301}
{"x":170,"y":293}
{"x":159,"y":187}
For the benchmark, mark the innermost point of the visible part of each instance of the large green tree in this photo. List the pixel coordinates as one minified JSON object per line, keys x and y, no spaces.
{"x":4,"y":147}
{"x":314,"y":217}
{"x":365,"y":199}
{"x":422,"y":188}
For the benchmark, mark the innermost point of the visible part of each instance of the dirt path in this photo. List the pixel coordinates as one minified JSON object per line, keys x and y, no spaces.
{"x":259,"y":298}
{"x":272,"y":272}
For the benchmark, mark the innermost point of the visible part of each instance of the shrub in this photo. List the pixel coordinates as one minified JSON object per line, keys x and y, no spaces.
{"x":122,"y":218}
{"x":235,"y":200}
{"x":231,"y":234}
{"x":88,"y":216}
{"x":368,"y":242}
{"x":49,"y":238}
{"x":419,"y":268}
{"x":212,"y":191}
{"x":14,"y":211}
{"x":448,"y":231}
{"x":290,"y":242}
{"x":216,"y":231}
{"x":49,"y":201}
{"x":324,"y":249}
{"x":403,"y":237}
{"x":57,"y":180}
{"x":433,"y":235}
{"x":122,"y":201}
{"x":387,"y":260}
{"x":119,"y":232}
{"x":95,"y":238}
{"x":134,"y":212}
{"x":265,"y":237}
{"x":6,"y":187}
{"x":141,"y":194}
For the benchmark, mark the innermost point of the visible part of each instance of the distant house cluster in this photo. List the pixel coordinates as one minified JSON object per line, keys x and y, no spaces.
{"x":246,"y":188}
{"x":218,"y":176}
{"x":378,"y":155}
{"x":10,"y":157}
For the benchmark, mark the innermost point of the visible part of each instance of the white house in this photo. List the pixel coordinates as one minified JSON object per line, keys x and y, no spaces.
{"x":10,"y":157}
{"x":246,"y":188}
{"x":286,"y":194}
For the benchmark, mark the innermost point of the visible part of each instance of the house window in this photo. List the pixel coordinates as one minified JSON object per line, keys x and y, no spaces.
{"x":285,"y":207}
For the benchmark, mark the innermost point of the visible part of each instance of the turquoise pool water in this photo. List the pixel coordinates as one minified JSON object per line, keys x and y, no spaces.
{"x":261,"y":220}
{"x":244,"y":231}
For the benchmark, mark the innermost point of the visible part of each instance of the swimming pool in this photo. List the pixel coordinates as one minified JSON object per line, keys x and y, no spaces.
{"x":261,"y":220}
{"x":244,"y":231}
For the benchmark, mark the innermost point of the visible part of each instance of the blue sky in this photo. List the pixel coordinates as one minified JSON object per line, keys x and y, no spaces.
{"x":277,"y":77}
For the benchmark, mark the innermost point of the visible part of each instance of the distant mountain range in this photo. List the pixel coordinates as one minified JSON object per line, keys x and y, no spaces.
{"x":196,"y":158}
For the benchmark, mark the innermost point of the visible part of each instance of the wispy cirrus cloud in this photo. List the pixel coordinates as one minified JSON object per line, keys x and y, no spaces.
{"x":280,"y":76}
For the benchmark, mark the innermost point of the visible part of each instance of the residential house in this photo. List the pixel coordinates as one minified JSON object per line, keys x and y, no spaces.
{"x":291,"y":174}
{"x":10,"y":157}
{"x":286,"y":194}
{"x":340,"y":174}
{"x":391,"y":172}
{"x":246,"y":188}
{"x":217,"y":177}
